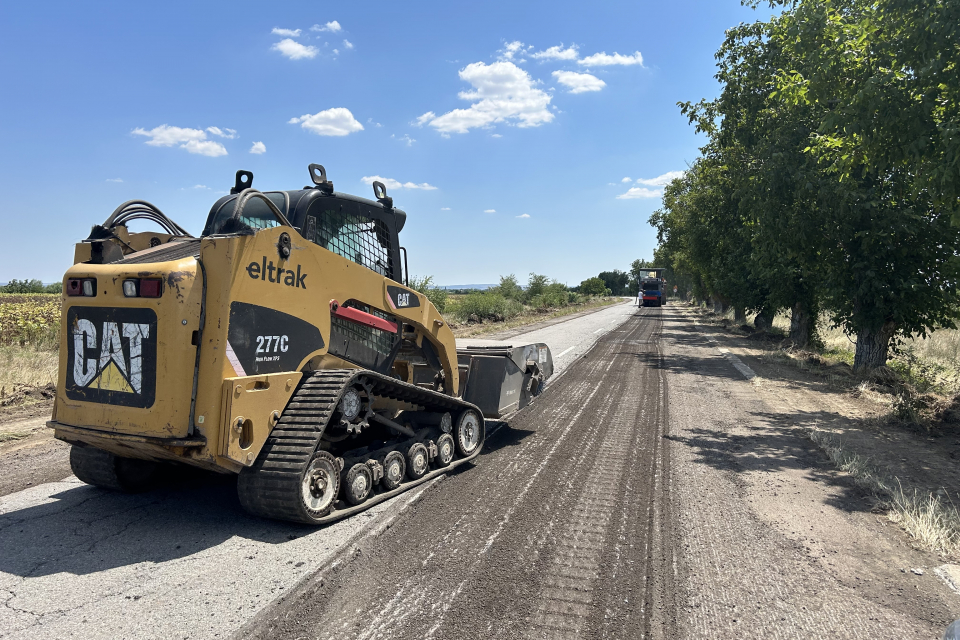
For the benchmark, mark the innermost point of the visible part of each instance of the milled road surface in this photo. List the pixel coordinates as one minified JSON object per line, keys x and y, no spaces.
{"x":182,"y":562}
{"x":563,"y":529}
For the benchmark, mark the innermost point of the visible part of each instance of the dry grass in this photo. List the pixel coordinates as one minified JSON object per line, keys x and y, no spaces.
{"x":930,"y":518}
{"x":27,"y":365}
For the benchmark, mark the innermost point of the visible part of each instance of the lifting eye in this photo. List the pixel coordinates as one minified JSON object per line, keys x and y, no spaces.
{"x":283,"y":245}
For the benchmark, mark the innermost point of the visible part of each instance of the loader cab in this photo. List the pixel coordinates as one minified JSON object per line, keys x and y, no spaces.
{"x":361,"y":230}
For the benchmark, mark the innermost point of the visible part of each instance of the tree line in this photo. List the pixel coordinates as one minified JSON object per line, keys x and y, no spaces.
{"x":30,"y":286}
{"x":830,"y":179}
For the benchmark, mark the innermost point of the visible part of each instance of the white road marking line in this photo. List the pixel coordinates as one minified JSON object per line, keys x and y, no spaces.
{"x":747,"y":372}
{"x":600,"y":329}
{"x":566,"y":351}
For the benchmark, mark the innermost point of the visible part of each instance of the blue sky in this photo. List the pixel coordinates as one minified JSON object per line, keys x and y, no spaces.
{"x":512,"y":134}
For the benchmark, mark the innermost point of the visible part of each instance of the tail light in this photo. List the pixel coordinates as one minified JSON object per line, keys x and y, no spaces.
{"x":82,"y":287}
{"x":143,"y":288}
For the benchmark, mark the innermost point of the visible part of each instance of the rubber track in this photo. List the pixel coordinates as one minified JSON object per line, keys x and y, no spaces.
{"x":271,"y":486}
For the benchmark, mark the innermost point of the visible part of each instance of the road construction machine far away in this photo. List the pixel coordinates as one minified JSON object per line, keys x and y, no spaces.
{"x":282,"y":345}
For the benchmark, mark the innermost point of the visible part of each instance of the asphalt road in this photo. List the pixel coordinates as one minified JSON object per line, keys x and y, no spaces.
{"x":185,"y":561}
{"x":652,"y":491}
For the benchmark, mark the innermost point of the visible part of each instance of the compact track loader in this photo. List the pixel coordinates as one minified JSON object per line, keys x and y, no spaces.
{"x":282,"y":346}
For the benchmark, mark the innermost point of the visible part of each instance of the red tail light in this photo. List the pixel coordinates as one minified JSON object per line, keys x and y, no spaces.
{"x":150,"y":288}
{"x":82,"y":287}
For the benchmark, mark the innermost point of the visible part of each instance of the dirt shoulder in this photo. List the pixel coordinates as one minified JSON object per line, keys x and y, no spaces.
{"x":29,"y":454}
{"x":781,"y":538}
{"x":844,"y":411}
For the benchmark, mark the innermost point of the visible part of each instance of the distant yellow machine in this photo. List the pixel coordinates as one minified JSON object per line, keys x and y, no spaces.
{"x":281,"y":345}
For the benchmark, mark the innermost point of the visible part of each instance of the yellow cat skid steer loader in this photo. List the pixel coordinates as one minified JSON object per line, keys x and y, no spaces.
{"x":282,"y":346}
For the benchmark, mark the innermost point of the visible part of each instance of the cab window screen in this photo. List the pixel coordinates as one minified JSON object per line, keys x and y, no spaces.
{"x":256,"y":215}
{"x":344,"y":231}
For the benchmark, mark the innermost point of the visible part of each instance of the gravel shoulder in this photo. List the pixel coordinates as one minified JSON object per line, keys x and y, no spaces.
{"x":775,"y":537}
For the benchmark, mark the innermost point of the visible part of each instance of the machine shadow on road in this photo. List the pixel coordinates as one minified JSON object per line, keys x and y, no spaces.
{"x":85,"y":529}
{"x":775,"y":443}
{"x":82,"y":529}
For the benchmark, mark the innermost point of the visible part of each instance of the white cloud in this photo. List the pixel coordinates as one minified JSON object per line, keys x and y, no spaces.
{"x":294,"y":50}
{"x":200,"y":186}
{"x":425,"y":118}
{"x":205,"y":148}
{"x":524,"y":215}
{"x":558,"y":53}
{"x":291,"y":33}
{"x":336,"y":52}
{"x":193,"y":140}
{"x":332,"y":26}
{"x":511,"y":49}
{"x":114,"y":179}
{"x":258,"y":148}
{"x":489,"y":210}
{"x":603,"y":60}
{"x":625,"y":180}
{"x":405,"y":138}
{"x":639,"y":192}
{"x":503,"y":92}
{"x":229,"y":134}
{"x":390,"y":183}
{"x":332,"y":122}
{"x":347,"y":44}
{"x":579,"y":82}
{"x":444,"y":208}
{"x":495,"y":135}
{"x":661,"y":181}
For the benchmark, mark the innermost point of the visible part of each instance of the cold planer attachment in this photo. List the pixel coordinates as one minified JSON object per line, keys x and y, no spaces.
{"x":501,"y":377}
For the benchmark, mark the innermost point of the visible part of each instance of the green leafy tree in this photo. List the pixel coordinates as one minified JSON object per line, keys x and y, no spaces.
{"x":509,"y":288}
{"x":536,"y":285}
{"x":23,"y":286}
{"x":880,"y":79}
{"x":594,"y":287}
{"x":616,"y":281}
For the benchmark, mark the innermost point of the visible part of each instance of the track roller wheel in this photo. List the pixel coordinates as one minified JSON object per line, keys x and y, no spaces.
{"x":468,"y":432}
{"x":104,"y":469}
{"x":445,"y":450}
{"x":319,"y":485}
{"x":357,"y":484}
{"x":394,"y":467}
{"x":418,"y":461}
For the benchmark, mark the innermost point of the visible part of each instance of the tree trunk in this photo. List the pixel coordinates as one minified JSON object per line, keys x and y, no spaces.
{"x":873,"y":346}
{"x":719,"y":307}
{"x":764,"y":320}
{"x":800,"y":324}
{"x":739,"y":315}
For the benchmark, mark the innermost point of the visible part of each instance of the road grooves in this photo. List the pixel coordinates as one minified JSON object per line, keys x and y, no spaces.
{"x":562,"y":530}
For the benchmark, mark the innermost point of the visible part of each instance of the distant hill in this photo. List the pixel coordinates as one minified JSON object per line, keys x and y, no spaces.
{"x":466,"y":286}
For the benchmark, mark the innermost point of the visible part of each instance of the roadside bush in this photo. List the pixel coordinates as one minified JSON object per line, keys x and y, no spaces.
{"x":485,"y":305}
{"x":552,"y":296}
